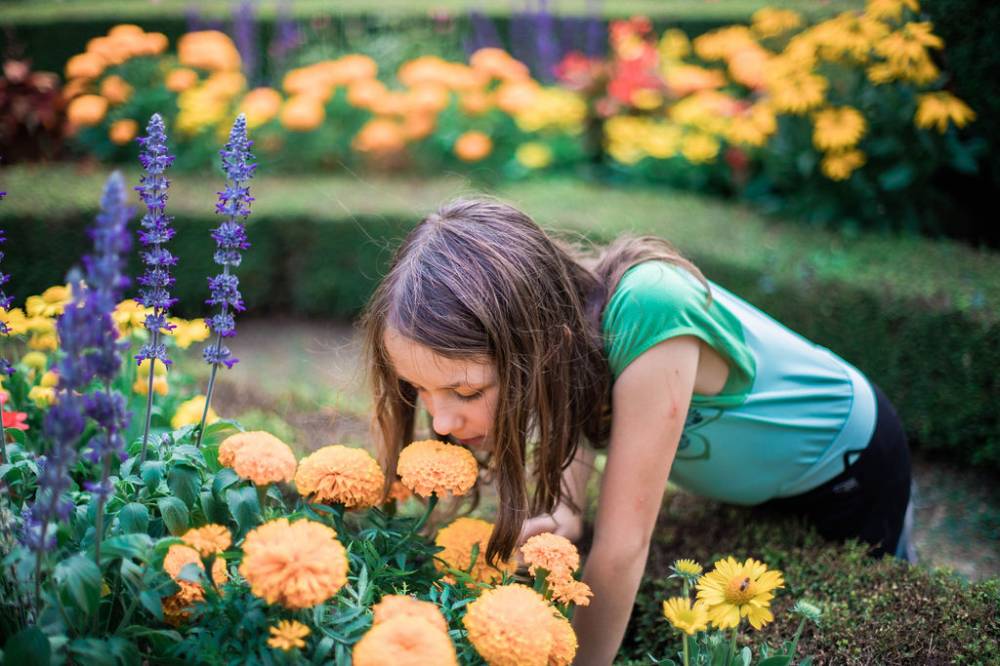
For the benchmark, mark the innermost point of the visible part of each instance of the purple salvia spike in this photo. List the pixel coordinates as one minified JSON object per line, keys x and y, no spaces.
{"x":230,"y":240}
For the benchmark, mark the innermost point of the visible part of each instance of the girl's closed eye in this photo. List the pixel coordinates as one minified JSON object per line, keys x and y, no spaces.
{"x":469,"y":397}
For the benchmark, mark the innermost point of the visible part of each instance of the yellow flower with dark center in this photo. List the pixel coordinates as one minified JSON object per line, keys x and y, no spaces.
{"x":840,"y":165}
{"x":404,"y":641}
{"x":458,"y":540}
{"x":564,"y":641}
{"x":837,"y":128}
{"x":208,"y":540}
{"x":848,"y":35}
{"x":771,"y":22}
{"x":297,"y":565}
{"x":909,"y":44}
{"x":937,"y":109}
{"x":431,"y":467}
{"x":189,"y":413}
{"x":288,"y":635}
{"x":511,"y":625}
{"x":689,"y":619}
{"x":733,"y":590}
{"x":796,"y":92}
{"x":400,"y":605}
{"x":258,"y":456}
{"x":342,"y":475}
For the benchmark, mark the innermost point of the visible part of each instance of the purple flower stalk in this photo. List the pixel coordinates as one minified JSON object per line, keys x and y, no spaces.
{"x":5,"y":366}
{"x":156,"y":231}
{"x":230,"y":239}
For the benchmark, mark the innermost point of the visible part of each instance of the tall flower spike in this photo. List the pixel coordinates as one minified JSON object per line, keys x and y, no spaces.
{"x":230,"y":239}
{"x":5,"y":366}
{"x":156,"y":231}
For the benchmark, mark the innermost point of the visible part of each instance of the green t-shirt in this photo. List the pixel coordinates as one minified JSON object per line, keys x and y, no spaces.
{"x":790,"y":413}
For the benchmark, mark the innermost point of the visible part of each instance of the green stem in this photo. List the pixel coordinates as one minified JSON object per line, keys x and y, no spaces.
{"x":684,"y":637}
{"x":795,"y":641}
{"x":262,"y":497}
{"x":99,"y":519}
{"x":149,"y":400}
{"x":732,"y":645}
{"x":431,"y":503}
{"x":208,"y":394}
{"x":3,"y":439}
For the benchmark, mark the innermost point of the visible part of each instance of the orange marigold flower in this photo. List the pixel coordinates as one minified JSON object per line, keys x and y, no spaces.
{"x":564,"y":642}
{"x":556,"y":554}
{"x":404,"y":641}
{"x":258,"y":456}
{"x":511,"y":625}
{"x":401,"y":605}
{"x":570,"y":591}
{"x":220,"y":573}
{"x":428,"y":466}
{"x":458,"y":540}
{"x":298,"y":564}
{"x":288,"y":634}
{"x":177,"y":607}
{"x":178,"y":556}
{"x":208,"y":540}
{"x":341,"y":474}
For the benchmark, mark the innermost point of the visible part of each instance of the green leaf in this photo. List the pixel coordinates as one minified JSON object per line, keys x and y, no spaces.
{"x":92,"y":651}
{"x":132,"y":573}
{"x":746,"y":656}
{"x":28,"y":646}
{"x":150,"y":600}
{"x":185,"y":482}
{"x":134,"y":517}
{"x":322,"y":650}
{"x":224,"y":478}
{"x":243,"y":506}
{"x":175,"y":514}
{"x":777,"y":660}
{"x":214,"y":510}
{"x":897,"y":177}
{"x":80,"y":580}
{"x":128,"y":546}
{"x":221,"y":426}
{"x":152,"y":474}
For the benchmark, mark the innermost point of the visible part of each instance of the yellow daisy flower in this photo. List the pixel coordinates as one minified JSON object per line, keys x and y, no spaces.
{"x":288,"y":634}
{"x":686,"y":568}
{"x":771,"y":22}
{"x":840,"y":165}
{"x":837,"y":128}
{"x":733,"y":590}
{"x":890,"y":9}
{"x":684,"y":616}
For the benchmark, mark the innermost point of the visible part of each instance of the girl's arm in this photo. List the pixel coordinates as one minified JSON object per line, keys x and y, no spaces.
{"x":649,"y":406}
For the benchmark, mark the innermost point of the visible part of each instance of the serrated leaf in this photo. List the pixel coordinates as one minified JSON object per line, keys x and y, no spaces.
{"x":134,"y":517}
{"x":152,"y":473}
{"x":175,"y":514}
{"x":80,"y":580}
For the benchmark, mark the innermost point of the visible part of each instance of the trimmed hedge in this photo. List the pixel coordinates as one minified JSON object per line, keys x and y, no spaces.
{"x":875,"y":612}
{"x":919,"y":317}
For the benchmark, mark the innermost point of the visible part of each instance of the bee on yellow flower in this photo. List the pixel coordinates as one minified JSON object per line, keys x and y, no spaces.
{"x":733,"y":590}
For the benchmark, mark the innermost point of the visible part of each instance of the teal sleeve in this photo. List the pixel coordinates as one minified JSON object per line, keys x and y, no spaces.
{"x":654,"y":301}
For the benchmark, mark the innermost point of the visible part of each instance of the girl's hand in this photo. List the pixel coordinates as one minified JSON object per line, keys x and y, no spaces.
{"x":562,"y":521}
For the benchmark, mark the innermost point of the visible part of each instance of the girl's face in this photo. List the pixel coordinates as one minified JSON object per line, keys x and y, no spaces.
{"x":460,"y":395}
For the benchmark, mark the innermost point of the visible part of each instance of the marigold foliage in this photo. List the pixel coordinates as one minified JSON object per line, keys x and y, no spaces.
{"x":341,"y":474}
{"x":401,"y":605}
{"x":733,"y":590}
{"x":431,"y":467}
{"x":511,"y":625}
{"x":297,"y":565}
{"x":258,"y":456}
{"x":458,"y":540}
{"x":404,"y":641}
{"x":288,"y":634}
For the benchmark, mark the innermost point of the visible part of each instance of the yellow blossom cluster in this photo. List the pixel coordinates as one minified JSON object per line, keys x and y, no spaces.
{"x":559,"y":558}
{"x":341,"y":475}
{"x":258,"y":456}
{"x":190,"y":411}
{"x":141,"y":384}
{"x":553,"y":108}
{"x":430,"y":467}
{"x":512,"y":625}
{"x":629,"y":139}
{"x":405,"y":630}
{"x":296,"y":564}
{"x":459,"y":539}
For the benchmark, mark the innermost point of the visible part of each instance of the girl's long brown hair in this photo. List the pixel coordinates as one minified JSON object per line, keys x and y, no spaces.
{"x":479,"y":280}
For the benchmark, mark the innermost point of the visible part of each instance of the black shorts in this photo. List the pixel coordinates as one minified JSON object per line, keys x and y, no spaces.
{"x":867,"y":501}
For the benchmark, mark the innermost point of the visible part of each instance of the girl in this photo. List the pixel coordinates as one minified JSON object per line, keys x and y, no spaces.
{"x":506,"y":337}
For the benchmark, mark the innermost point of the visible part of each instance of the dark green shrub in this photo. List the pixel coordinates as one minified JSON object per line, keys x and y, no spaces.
{"x":875,"y":612}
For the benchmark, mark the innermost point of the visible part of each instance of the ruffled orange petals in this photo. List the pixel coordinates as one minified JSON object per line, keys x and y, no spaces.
{"x":431,"y":467}
{"x":341,"y":475}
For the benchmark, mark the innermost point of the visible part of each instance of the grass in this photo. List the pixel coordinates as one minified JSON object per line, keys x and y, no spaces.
{"x":931,"y":271}
{"x":41,"y":11}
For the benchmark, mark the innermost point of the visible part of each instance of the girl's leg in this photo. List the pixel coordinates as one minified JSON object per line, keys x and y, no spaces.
{"x":868,"y":500}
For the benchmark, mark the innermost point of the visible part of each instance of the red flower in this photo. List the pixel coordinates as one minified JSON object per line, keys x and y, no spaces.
{"x":15,"y":420}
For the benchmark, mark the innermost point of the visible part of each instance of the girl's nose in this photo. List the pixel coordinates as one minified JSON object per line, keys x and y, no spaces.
{"x":446,"y":421}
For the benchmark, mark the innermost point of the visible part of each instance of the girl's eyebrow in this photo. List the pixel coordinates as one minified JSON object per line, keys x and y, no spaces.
{"x":451,"y":386}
